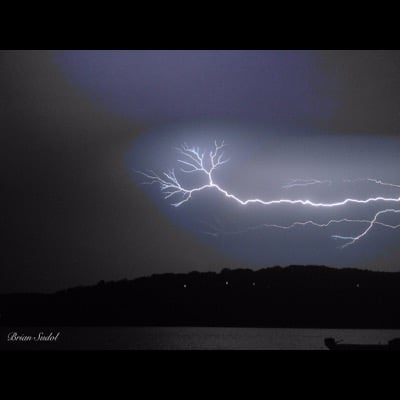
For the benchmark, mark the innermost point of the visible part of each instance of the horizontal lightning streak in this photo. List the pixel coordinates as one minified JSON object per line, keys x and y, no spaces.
{"x":206,"y":163}
{"x":304,"y":202}
{"x":218,"y":232}
{"x":303,"y":223}
{"x":377,"y":181}
{"x":306,"y":182}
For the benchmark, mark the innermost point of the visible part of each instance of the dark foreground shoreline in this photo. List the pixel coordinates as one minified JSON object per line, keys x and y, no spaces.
{"x":184,"y":338}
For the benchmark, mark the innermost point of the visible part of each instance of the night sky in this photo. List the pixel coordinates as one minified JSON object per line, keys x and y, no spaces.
{"x":77,"y":125}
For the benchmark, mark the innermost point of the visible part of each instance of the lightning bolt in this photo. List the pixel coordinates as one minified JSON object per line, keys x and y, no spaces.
{"x":303,"y":223}
{"x":372,"y":180}
{"x":306,"y":182}
{"x":193,"y":161}
{"x":353,"y":239}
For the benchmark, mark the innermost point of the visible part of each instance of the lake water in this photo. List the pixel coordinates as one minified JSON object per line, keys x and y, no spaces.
{"x":188,"y":338}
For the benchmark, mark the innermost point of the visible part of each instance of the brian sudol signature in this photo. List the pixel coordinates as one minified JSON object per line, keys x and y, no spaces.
{"x":40,"y":337}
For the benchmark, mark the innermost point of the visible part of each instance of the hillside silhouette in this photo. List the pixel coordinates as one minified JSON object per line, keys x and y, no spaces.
{"x":294,"y":296}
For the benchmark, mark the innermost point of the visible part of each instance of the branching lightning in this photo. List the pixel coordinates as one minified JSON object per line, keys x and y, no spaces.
{"x":194,"y":161}
{"x":353,"y":239}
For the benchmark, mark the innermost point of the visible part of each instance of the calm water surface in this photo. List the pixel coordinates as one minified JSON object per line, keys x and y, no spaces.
{"x":189,"y":338}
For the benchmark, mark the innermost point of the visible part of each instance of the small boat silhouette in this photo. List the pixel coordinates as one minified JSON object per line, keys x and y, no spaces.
{"x":333,"y":344}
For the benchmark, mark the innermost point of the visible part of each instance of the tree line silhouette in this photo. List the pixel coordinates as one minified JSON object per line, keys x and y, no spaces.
{"x":293,"y":296}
